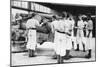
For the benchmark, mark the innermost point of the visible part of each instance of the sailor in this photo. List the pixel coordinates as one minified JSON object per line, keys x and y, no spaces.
{"x":31,"y":28}
{"x":80,"y":35}
{"x":89,"y":37}
{"x":61,"y":39}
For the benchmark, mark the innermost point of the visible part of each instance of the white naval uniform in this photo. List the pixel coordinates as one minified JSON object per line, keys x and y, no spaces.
{"x":61,"y":40}
{"x":89,"y":28}
{"x":80,"y":34}
{"x":71,"y":27}
{"x":32,"y":42}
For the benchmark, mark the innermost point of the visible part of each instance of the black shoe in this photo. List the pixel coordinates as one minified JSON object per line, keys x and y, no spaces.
{"x":55,"y":57}
{"x":32,"y":56}
{"x":70,"y":56}
{"x":89,"y":55}
{"x":29,"y":51}
{"x":61,"y":60}
{"x":84,"y":50}
{"x":77,"y":47}
{"x":67,"y":57}
{"x":72,"y":45}
{"x":32,"y":53}
{"x":58,"y":59}
{"x":77,"y":50}
{"x":83,"y":47}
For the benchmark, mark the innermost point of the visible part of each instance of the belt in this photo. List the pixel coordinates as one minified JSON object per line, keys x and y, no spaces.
{"x":61,"y":32}
{"x":33,"y":28}
{"x":64,"y":33}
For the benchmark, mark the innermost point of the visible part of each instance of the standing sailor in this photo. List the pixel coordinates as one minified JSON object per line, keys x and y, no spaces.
{"x":89,"y":37}
{"x":61,"y":39}
{"x":80,"y":35}
{"x":31,"y":28}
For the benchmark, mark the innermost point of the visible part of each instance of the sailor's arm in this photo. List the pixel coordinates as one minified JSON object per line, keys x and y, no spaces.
{"x":52,"y":28}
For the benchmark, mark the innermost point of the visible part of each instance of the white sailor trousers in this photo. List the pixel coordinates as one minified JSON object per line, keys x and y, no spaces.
{"x":80,"y":38}
{"x":31,"y":44}
{"x":89,"y":41}
{"x":62,"y":43}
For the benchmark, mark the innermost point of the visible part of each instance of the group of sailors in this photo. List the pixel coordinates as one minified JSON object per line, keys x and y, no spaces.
{"x":63,"y":28}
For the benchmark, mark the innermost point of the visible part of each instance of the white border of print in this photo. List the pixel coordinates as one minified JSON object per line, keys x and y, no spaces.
{"x":5,"y":33}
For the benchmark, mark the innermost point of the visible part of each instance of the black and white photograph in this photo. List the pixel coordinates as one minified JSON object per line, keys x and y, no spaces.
{"x":43,"y":33}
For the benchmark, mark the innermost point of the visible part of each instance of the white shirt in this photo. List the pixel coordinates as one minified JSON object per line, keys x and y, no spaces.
{"x":81,"y":24}
{"x":32,"y":23}
{"x":90,"y":24}
{"x":62,"y":25}
{"x":58,"y":25}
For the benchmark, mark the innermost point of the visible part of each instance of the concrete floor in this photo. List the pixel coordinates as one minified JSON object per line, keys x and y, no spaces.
{"x":44,"y":56}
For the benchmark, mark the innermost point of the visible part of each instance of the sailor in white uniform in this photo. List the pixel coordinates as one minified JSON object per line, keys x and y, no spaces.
{"x":31,"y":28}
{"x":89,"y":37}
{"x":81,"y":41}
{"x":71,"y":23}
{"x":61,"y":38}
